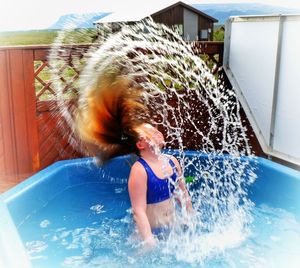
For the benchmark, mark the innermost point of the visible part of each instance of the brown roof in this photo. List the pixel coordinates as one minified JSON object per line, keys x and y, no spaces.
{"x":195,"y":10}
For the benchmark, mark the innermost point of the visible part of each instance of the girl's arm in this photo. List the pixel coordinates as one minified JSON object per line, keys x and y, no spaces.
{"x":186,"y":199}
{"x":185,"y":196}
{"x":137,"y":187}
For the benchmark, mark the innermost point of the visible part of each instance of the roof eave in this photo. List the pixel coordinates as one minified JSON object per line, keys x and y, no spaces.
{"x":186,"y":6}
{"x":121,"y":21}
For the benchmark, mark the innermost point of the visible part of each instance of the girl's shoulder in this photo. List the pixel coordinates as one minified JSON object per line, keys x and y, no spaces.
{"x":139,"y":166}
{"x":173,"y":158}
{"x":136,"y":165}
{"x":176,"y":162}
{"x":137,"y":171}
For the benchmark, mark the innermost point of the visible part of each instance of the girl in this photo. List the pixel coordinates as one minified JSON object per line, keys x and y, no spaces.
{"x":112,"y":120}
{"x":153,"y":179}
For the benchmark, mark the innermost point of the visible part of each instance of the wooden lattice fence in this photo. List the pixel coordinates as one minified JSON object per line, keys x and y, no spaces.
{"x":54,"y":132}
{"x":32,"y":132}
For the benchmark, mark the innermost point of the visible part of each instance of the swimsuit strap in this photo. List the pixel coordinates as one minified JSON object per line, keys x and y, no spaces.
{"x":145,"y":165}
{"x":173,"y":165}
{"x":149,"y":169}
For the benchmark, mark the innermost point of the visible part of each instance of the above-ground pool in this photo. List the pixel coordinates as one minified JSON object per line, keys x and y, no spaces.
{"x":75,"y":214}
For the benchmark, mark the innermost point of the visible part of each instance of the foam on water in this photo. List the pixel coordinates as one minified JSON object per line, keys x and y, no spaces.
{"x":205,"y":111}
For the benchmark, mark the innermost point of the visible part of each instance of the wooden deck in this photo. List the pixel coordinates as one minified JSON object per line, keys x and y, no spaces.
{"x":4,"y":186}
{"x":11,"y":180}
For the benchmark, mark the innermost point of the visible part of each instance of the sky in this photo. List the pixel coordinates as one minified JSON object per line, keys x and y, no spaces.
{"x":41,"y":14}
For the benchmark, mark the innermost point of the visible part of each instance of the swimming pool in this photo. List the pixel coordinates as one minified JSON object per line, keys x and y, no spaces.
{"x":74,"y":214}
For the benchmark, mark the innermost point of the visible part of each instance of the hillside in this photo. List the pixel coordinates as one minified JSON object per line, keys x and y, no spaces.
{"x":85,"y":22}
{"x":78,"y":20}
{"x":219,"y":11}
{"x":223,"y":11}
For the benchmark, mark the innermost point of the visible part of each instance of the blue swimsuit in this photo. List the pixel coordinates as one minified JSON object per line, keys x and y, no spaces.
{"x":158,"y":189}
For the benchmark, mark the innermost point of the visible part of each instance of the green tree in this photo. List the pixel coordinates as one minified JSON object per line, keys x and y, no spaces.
{"x":219,"y":34}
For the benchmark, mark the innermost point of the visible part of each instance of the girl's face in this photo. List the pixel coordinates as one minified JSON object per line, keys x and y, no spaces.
{"x":150,"y":137}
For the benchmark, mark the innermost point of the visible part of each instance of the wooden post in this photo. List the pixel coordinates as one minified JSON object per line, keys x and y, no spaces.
{"x":19,"y":155}
{"x":8,"y":165}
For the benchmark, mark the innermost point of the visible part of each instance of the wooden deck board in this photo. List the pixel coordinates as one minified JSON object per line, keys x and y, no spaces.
{"x":4,"y":186}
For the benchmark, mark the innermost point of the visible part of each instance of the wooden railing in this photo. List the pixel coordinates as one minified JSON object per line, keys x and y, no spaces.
{"x":30,"y":136}
{"x":211,"y":52}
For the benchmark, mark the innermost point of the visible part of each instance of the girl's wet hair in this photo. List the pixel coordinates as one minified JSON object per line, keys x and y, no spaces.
{"x":108,"y":116}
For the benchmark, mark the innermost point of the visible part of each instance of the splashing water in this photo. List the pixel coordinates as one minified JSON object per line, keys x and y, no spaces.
{"x":193,"y":109}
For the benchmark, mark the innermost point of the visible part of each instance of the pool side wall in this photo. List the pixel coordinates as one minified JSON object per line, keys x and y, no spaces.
{"x":276,"y":185}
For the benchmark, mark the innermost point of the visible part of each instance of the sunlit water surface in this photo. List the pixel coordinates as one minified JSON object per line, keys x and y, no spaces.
{"x":91,"y":226}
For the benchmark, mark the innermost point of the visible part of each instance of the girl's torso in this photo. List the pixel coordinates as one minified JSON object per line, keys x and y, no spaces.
{"x":161,"y":214}
{"x":161,"y":179}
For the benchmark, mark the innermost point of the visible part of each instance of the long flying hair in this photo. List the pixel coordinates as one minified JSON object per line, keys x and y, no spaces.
{"x":109,"y":115}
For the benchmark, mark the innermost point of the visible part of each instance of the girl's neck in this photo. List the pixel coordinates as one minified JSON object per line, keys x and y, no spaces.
{"x":150,"y":155}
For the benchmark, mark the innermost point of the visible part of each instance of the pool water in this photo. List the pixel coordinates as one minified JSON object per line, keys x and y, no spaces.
{"x":90,"y":225}
{"x":80,"y":226}
{"x":75,"y":214}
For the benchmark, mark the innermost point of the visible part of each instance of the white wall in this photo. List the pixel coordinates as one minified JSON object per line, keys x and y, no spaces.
{"x":262,"y":60}
{"x":287,"y":126}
